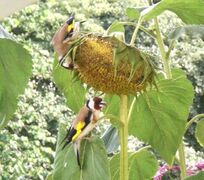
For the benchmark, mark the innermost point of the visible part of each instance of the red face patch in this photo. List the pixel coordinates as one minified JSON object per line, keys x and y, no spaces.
{"x":97,"y":103}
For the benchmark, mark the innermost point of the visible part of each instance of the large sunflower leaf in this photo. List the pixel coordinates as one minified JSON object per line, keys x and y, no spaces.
{"x":190,"y":12}
{"x":159,"y":116}
{"x":93,"y":157}
{"x":142,"y":165}
{"x":73,"y":90}
{"x":15,"y":71}
{"x":112,"y":105}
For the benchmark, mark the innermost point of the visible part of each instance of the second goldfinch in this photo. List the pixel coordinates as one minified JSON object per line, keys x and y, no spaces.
{"x":84,"y":122}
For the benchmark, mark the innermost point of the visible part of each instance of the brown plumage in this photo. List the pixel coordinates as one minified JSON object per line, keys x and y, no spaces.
{"x":84,"y":122}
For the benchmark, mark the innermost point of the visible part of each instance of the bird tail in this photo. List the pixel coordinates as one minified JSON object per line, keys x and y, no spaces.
{"x":78,"y":158}
{"x":66,"y":143}
{"x":77,"y":152}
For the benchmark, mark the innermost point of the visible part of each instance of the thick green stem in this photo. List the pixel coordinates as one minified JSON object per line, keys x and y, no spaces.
{"x":182,"y":160}
{"x":167,"y":70}
{"x":131,"y":108}
{"x":123,"y":137}
{"x":160,"y":43}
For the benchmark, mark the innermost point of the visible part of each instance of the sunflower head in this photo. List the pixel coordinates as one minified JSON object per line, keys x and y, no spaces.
{"x":111,"y":66}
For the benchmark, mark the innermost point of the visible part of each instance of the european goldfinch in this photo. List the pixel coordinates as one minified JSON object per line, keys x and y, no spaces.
{"x":84,"y":122}
{"x":72,"y":32}
{"x":70,"y":27}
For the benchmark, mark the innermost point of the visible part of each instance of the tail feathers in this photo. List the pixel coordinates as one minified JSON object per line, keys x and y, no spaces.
{"x":66,"y":143}
{"x":62,"y":141}
{"x":66,"y":137}
{"x":78,"y":159}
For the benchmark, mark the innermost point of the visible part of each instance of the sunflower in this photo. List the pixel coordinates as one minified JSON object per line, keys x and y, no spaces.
{"x":110,"y":65}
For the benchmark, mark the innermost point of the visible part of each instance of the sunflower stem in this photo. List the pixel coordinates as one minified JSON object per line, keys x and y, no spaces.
{"x":123,"y":137}
{"x":160,"y":43}
{"x":182,"y":160}
{"x":167,"y":70}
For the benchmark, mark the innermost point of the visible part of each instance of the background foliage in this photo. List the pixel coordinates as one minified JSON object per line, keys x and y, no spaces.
{"x":28,"y":143}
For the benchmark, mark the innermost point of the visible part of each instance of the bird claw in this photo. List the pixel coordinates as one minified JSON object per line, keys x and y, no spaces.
{"x":87,"y":138}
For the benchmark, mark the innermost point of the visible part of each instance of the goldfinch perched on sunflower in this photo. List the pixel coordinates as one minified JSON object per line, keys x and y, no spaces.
{"x":83,"y":124}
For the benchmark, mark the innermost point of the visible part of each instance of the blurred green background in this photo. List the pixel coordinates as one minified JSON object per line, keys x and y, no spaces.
{"x":28,"y":143}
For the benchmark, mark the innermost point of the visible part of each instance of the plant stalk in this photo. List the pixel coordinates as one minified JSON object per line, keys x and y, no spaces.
{"x":123,"y":137}
{"x":160,"y":43}
{"x":134,"y":35}
{"x":194,"y":119}
{"x":182,"y":160}
{"x":167,"y":70}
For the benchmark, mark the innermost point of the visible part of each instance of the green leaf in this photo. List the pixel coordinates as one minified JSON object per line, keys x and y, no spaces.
{"x":193,"y":31}
{"x":190,"y":12}
{"x":200,"y":132}
{"x":115,"y":27}
{"x":112,"y":104}
{"x":73,"y":90}
{"x":142,"y":165}
{"x":123,"y":52}
{"x":115,"y":167}
{"x":133,"y":13}
{"x":49,"y":177}
{"x":199,"y":176}
{"x":15,"y":71}
{"x":111,"y":139}
{"x":93,"y":158}
{"x":159,"y":116}
{"x":112,"y":109}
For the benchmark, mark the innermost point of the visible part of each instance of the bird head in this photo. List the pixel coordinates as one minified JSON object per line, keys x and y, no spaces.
{"x":73,"y":29}
{"x":95,"y":103}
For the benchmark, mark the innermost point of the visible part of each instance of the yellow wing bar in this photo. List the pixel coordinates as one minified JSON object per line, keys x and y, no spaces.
{"x":79,"y":127}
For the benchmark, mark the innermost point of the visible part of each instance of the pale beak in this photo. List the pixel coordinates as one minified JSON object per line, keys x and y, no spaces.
{"x":103,"y":103}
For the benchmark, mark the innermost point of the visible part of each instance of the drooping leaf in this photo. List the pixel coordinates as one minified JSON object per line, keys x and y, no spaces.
{"x":15,"y":71}
{"x":159,"y":116}
{"x":115,"y":27}
{"x":142,"y":165}
{"x":193,"y":31}
{"x":73,"y":90}
{"x":190,"y":12}
{"x":111,"y":139}
{"x":93,"y":158}
{"x":136,"y":58}
{"x":133,"y":13}
{"x":200,"y":132}
{"x":199,"y":176}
